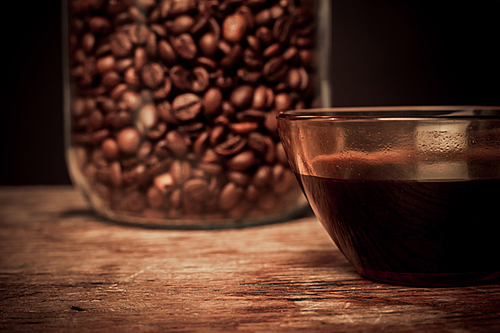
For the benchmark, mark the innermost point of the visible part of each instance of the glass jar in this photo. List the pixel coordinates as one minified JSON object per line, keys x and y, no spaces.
{"x":170,"y":107}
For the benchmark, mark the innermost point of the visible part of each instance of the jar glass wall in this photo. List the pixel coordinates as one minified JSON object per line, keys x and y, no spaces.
{"x":170,"y":107}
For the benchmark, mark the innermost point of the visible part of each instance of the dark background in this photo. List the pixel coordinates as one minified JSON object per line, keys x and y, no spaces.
{"x":385,"y":52}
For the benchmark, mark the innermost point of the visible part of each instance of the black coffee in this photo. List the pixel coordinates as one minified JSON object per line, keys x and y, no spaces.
{"x":429,"y":233}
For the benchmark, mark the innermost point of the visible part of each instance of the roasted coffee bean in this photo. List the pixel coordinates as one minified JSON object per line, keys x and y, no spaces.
{"x":147,"y":116}
{"x":282,"y":102}
{"x":231,"y":59}
{"x":230,"y":195}
{"x":121,"y":45}
{"x":138,"y":33}
{"x":105,"y":64}
{"x":196,"y":189}
{"x":131,"y":78}
{"x":212,"y":102}
{"x":128,"y":140}
{"x":262,"y":176}
{"x":185,"y":46}
{"x":208,"y":44}
{"x":164,"y":182}
{"x":282,"y":179}
{"x":166,"y":52}
{"x":242,"y":96}
{"x":140,"y":58}
{"x":111,"y":79}
{"x":199,"y":80}
{"x":175,"y":103}
{"x":179,"y":76}
{"x":242,"y":161}
{"x":131,"y":100}
{"x":115,"y":174}
{"x":99,"y":25}
{"x":180,"y":24}
{"x":155,"y":197}
{"x":176,"y":143}
{"x":232,"y":145}
{"x":244,"y":128}
{"x":152,"y":75}
{"x":249,"y":76}
{"x":234,"y":28}
{"x":239,"y":178}
{"x":275,"y":69}
{"x":163,"y":91}
{"x":110,"y":149}
{"x":165,"y":113}
{"x":186,"y":106}
{"x":181,"y":171}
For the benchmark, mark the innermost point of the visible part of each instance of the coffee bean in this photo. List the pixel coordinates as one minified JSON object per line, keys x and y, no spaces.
{"x":282,"y":102}
{"x":147,"y":116}
{"x":263,"y":17}
{"x":166,"y":52}
{"x":208,"y":44}
{"x":252,"y":59}
{"x":199,"y":80}
{"x":186,"y":106}
{"x":239,"y":178}
{"x":121,"y":44}
{"x":163,"y":91}
{"x":212,"y":102}
{"x":242,"y":161}
{"x":249,"y":76}
{"x":232,"y":145}
{"x":176,"y":143}
{"x":244,"y":128}
{"x":185,"y":46}
{"x":196,"y":189}
{"x":275,"y":69}
{"x":230,"y":196}
{"x":155,"y":197}
{"x":152,"y":75}
{"x":231,"y":59}
{"x":165,"y":112}
{"x":110,"y":149}
{"x":181,"y":6}
{"x":128,"y":140}
{"x":262,"y":176}
{"x":131,"y":100}
{"x":242,"y":96}
{"x":140,"y":58}
{"x":181,"y":171}
{"x":111,"y":79}
{"x":180,"y":24}
{"x":234,"y":28}
{"x":105,"y":64}
{"x":272,"y":50}
{"x":283,"y":179}
{"x":164,"y":182}
{"x":99,"y":25}
{"x":156,"y":132}
{"x":138,"y":33}
{"x":115,"y":174}
{"x":179,"y":76}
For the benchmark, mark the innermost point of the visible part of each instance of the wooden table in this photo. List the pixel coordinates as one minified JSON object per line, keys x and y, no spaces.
{"x":63,"y":269}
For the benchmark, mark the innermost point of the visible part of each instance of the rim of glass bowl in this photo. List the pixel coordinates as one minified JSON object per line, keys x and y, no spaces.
{"x":393,"y":113}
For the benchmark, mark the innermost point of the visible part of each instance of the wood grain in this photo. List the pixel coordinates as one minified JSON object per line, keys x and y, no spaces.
{"x":63,"y":269}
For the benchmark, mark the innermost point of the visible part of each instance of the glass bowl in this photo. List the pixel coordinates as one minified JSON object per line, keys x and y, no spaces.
{"x":408,"y":194}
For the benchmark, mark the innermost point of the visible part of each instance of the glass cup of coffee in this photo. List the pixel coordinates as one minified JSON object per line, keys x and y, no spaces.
{"x":408,"y":194}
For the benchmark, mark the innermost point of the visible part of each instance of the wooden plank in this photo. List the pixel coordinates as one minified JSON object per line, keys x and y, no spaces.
{"x":62,"y":268}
